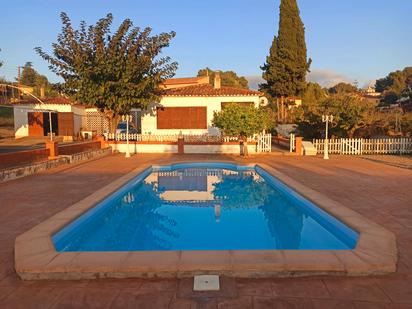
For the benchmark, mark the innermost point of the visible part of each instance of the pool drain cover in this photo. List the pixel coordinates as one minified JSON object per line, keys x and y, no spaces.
{"x":206,"y":283}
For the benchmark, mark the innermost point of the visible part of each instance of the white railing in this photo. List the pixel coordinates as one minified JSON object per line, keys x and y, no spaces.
{"x":141,"y":137}
{"x":360,"y":146}
{"x":264,"y":141}
{"x":174,"y":137}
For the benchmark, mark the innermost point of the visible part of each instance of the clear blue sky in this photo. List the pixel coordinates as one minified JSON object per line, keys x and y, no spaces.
{"x":350,"y":39}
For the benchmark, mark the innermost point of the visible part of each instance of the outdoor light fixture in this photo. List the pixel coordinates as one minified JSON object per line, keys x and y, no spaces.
{"x":127,"y":118}
{"x":326,"y":119}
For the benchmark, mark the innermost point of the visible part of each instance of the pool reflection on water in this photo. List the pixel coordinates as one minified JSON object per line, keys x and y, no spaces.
{"x":205,"y":208}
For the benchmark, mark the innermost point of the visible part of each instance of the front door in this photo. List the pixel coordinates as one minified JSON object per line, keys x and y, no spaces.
{"x":46,"y":126}
{"x":35,"y":121}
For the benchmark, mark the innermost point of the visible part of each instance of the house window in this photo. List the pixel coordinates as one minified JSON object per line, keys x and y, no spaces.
{"x":182,"y":117}
{"x":224,"y":104}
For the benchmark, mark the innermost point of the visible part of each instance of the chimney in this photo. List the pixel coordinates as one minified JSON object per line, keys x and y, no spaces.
{"x":218,"y":82}
{"x":42,"y":95}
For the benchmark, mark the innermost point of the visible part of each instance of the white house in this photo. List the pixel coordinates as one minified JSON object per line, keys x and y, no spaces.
{"x":186,"y":106}
{"x":190,"y":109}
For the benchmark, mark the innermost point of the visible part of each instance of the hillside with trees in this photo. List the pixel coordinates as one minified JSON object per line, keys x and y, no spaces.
{"x":395,"y":85}
{"x":30,"y":77}
{"x":228,"y":78}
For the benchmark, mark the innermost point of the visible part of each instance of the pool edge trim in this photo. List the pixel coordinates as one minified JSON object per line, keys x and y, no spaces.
{"x":37,"y":259}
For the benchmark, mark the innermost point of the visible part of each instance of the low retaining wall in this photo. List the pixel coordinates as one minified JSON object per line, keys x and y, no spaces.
{"x":172,"y":147}
{"x":11,"y":159}
{"x":78,"y":147}
{"x":92,"y":154}
{"x":19,"y":158}
{"x":34,"y":168}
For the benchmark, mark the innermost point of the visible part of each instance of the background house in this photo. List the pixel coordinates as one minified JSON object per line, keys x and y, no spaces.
{"x":189,"y":109}
{"x":31,"y":118}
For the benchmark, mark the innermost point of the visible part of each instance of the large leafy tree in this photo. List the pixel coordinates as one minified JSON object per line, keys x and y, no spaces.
{"x":112,"y":71}
{"x":287,"y":64}
{"x":351,"y":113}
{"x":394,"y":86}
{"x":228,"y":78}
{"x":343,"y":88}
{"x":241,"y":121}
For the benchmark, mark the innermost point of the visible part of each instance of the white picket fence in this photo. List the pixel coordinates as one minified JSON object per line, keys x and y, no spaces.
{"x":264,"y":143}
{"x":360,"y":146}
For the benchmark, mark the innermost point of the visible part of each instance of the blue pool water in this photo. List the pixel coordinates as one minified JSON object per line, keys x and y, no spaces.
{"x":205,"y":206}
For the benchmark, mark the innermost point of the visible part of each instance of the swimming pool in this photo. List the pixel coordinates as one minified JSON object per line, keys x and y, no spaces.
{"x":204,"y":206}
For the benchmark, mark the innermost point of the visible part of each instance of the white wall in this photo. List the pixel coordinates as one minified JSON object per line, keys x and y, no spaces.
{"x":228,"y":149}
{"x":21,"y":126}
{"x":145,"y":148}
{"x":149,"y":122}
{"x":159,"y":148}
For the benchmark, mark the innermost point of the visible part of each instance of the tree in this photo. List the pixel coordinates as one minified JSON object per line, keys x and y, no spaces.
{"x":28,"y":75}
{"x":395,"y":85}
{"x":113,"y":72}
{"x":313,"y":94}
{"x":241,"y":121}
{"x":343,"y":88}
{"x":351,"y":113}
{"x":228,"y":78}
{"x":1,"y":62}
{"x":287,"y":64}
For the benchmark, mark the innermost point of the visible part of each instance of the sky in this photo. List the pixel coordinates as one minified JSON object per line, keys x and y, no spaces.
{"x":348,"y":40}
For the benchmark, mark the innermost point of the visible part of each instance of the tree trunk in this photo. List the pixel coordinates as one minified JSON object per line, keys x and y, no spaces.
{"x":244,"y":151}
{"x":286,"y":117}
{"x":282,"y":109}
{"x":278,"y":108}
{"x":113,"y":121}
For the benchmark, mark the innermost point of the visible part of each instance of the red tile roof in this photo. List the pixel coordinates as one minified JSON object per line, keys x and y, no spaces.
{"x":56,"y":100}
{"x":207,"y":90}
{"x":184,"y":80}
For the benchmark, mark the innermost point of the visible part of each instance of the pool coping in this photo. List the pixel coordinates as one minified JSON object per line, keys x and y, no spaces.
{"x":37,"y":259}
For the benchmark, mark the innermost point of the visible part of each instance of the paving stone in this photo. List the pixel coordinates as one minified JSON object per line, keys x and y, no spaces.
{"x":373,"y":189}
{"x":360,"y":289}
{"x":300,"y":287}
{"x":86,"y":298}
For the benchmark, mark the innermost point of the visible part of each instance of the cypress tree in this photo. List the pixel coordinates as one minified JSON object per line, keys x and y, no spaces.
{"x":287,"y":64}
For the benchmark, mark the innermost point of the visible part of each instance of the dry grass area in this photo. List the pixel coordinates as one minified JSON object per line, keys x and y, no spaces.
{"x":404,"y":161}
{"x":6,"y":122}
{"x":6,"y":132}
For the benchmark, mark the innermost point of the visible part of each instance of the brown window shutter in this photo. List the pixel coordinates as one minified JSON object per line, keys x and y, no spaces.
{"x":182,"y":118}
{"x":66,"y":124}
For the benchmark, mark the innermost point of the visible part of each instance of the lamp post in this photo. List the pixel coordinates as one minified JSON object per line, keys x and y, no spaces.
{"x":326,"y":119}
{"x":127,"y":118}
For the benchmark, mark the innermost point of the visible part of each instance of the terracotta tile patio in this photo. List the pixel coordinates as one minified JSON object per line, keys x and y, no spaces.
{"x":380,"y":192}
